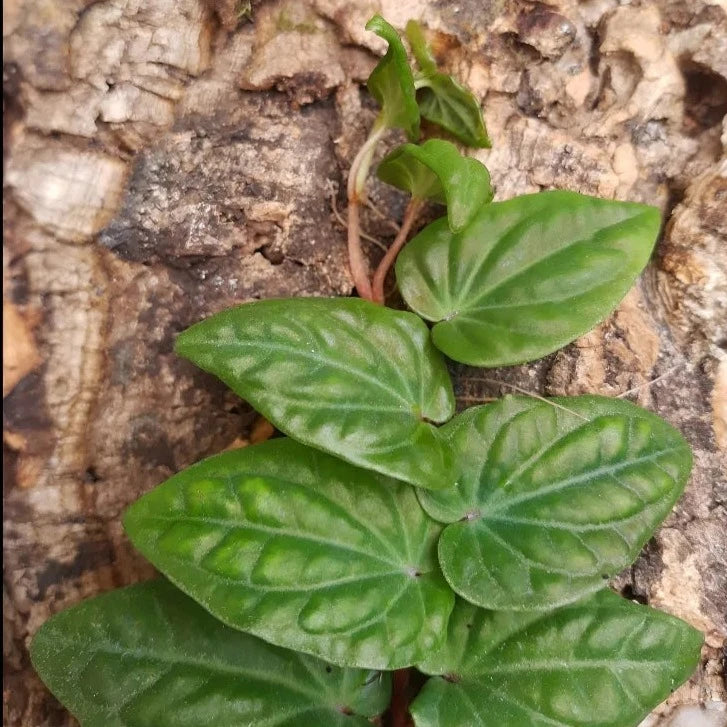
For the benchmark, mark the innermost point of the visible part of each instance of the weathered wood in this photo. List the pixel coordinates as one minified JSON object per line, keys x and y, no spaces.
{"x":168,"y":159}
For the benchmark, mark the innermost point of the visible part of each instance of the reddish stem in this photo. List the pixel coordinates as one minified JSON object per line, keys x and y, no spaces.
{"x":356,"y":261}
{"x":410,"y":215}
{"x":399,"y":710}
{"x":356,"y":184}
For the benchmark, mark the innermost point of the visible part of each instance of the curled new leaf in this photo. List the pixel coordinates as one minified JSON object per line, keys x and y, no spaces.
{"x":436,"y":170}
{"x":553,"y":497}
{"x":444,"y":101}
{"x":149,"y":656}
{"x":603,"y":662}
{"x":527,"y":276}
{"x":423,"y":54}
{"x":347,"y":376}
{"x":391,"y":83}
{"x":302,"y":550}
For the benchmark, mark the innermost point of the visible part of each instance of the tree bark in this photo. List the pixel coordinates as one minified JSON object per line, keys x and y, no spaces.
{"x":171,"y":158}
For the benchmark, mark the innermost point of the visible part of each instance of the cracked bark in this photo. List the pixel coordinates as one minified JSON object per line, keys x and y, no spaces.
{"x":167,"y":160}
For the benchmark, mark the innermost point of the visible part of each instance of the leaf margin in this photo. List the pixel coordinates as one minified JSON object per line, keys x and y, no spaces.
{"x":279,"y":456}
{"x":436,"y":293}
{"x":164,"y":603}
{"x":435,"y":405}
{"x":405,"y":114}
{"x":466,"y":626}
{"x":461,"y":182}
{"x":460,"y":519}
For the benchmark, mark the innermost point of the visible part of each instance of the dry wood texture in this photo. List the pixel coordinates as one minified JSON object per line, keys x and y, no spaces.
{"x":167,"y":159}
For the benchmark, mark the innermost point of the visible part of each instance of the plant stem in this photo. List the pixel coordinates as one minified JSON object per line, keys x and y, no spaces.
{"x":410,"y":215}
{"x":356,"y":261}
{"x":399,"y":711}
{"x":356,"y":185}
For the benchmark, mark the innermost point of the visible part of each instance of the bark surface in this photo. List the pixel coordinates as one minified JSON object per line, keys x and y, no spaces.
{"x":168,"y":159}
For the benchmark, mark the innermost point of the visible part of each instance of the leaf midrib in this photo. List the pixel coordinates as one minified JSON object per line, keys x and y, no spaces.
{"x":455,"y":109}
{"x":574,"y":527}
{"x":526,"y":222}
{"x":162,"y":657}
{"x":522,"y":630}
{"x":333,"y":363}
{"x":237,"y":525}
{"x":505,"y":505}
{"x":567,"y":665}
{"x":303,"y":588}
{"x":305,"y":648}
{"x":342,"y":510}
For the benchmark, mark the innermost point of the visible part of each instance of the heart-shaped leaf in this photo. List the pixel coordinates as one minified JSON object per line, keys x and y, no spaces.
{"x":303,"y":550}
{"x":527,"y":276}
{"x":391,"y":83}
{"x":442,"y":100}
{"x":603,"y":662}
{"x":436,"y":170}
{"x":148,"y":656}
{"x":448,"y":104}
{"x":344,"y":375}
{"x":553,"y":498}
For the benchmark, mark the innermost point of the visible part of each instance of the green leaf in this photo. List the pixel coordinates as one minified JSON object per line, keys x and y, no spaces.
{"x":553,"y":498}
{"x":302,"y":550}
{"x":604,"y":662}
{"x":148,"y":656}
{"x":391,"y":83}
{"x":441,"y":99}
{"x":527,"y":276}
{"x":420,"y":49}
{"x":448,"y":104}
{"x":347,"y":376}
{"x":436,"y":170}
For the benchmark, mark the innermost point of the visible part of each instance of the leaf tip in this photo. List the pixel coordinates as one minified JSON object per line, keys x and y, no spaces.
{"x":43,"y":647}
{"x":37,"y":646}
{"x":129,"y":520}
{"x":653,"y":216}
{"x":376,"y":23}
{"x":186,"y":345}
{"x":181,"y":343}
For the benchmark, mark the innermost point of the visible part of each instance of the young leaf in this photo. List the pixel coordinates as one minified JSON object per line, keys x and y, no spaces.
{"x":344,"y":375}
{"x":436,"y":170}
{"x":149,"y":656}
{"x":527,"y":276}
{"x":391,"y":83}
{"x":302,"y":550}
{"x":603,"y":662}
{"x":450,"y":105}
{"x":442,"y":100}
{"x":420,"y":49}
{"x":553,"y":498}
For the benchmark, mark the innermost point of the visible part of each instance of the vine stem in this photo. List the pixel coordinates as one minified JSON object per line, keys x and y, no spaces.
{"x":399,"y":715}
{"x":356,"y":185}
{"x":410,"y":215}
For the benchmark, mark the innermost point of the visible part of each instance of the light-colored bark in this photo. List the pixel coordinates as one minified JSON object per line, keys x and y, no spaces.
{"x":165,"y":162}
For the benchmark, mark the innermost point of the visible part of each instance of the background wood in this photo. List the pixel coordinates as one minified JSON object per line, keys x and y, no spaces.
{"x":166,"y":159}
